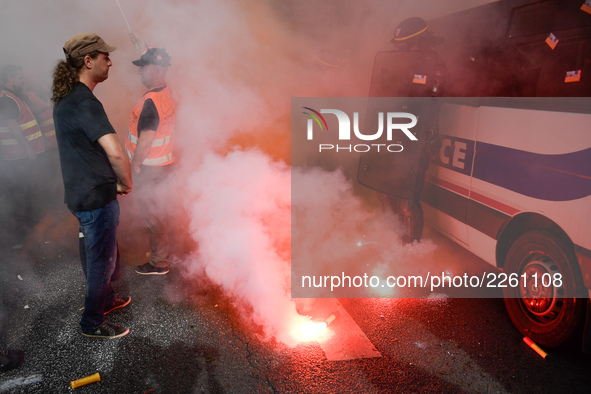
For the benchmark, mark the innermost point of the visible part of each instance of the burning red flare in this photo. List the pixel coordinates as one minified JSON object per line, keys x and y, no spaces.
{"x":308,"y":331}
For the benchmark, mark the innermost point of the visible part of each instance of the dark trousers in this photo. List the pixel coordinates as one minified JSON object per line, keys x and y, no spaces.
{"x":99,"y":230}
{"x":149,"y":195}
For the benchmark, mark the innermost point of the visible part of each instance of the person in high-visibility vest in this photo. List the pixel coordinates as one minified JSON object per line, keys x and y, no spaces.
{"x":50,"y":192}
{"x":20,"y":134}
{"x":21,"y":141}
{"x":44,"y":114}
{"x":150,"y":147}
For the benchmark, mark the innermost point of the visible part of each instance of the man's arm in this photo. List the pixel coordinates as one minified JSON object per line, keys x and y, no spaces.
{"x":119,"y":161}
{"x":144,"y":144}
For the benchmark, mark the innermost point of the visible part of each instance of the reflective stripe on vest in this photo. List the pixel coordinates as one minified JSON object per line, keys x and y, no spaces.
{"x":155,"y":142}
{"x":158,"y":161}
{"x":28,"y":125}
{"x":48,"y":127}
{"x":31,"y":131}
{"x":47,"y":124}
{"x":152,"y":162}
{"x":45,"y":120}
{"x":161,"y":151}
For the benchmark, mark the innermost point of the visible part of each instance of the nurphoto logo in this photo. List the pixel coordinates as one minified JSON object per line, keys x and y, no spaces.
{"x":395,"y":122}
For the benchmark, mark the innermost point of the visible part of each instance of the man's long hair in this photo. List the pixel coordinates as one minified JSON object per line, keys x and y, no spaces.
{"x":67,"y":74}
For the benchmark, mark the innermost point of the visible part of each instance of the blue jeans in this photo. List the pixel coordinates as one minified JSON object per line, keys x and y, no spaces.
{"x":99,"y":227}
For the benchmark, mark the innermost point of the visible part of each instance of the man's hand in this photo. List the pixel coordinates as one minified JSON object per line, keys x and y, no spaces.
{"x":119,"y":161}
{"x":144,"y":145}
{"x":122,"y":189}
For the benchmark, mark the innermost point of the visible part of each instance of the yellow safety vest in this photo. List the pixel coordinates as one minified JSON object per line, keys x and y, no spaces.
{"x":11,"y":149}
{"x":45,"y":120}
{"x":161,"y":152}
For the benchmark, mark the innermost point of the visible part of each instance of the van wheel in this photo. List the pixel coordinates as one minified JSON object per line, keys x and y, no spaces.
{"x":548,"y":313}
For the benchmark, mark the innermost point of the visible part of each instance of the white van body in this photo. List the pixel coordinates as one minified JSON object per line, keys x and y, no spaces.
{"x":512,"y":179}
{"x":527,"y":134}
{"x":511,"y":167}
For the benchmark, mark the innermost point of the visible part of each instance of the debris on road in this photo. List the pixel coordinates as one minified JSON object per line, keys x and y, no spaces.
{"x":86,"y":380}
{"x":534,"y":346}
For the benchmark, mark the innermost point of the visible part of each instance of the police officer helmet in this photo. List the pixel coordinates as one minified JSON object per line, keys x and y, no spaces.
{"x":410,"y":28}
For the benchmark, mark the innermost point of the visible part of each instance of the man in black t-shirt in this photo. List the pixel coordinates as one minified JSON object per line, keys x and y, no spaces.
{"x":95,"y":170}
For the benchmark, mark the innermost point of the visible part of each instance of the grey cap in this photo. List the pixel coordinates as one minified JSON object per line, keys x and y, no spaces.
{"x":157,"y":56}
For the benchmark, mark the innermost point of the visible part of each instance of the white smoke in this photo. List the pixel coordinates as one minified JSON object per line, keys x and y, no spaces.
{"x":235,"y":66}
{"x":241,"y":207}
{"x":240,"y":216}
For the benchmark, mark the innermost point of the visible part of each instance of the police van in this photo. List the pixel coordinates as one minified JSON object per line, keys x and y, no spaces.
{"x":509,"y":174}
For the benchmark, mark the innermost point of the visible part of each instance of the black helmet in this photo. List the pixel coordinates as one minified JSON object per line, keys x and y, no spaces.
{"x":409,"y":28}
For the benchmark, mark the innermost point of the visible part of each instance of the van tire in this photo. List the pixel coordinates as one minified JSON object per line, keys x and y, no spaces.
{"x":550,"y":315}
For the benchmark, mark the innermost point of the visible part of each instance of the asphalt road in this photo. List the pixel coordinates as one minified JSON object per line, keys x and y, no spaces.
{"x":188,"y":337}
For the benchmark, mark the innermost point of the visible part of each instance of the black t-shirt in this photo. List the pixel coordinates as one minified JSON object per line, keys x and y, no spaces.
{"x":149,"y":118}
{"x":89,"y":180}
